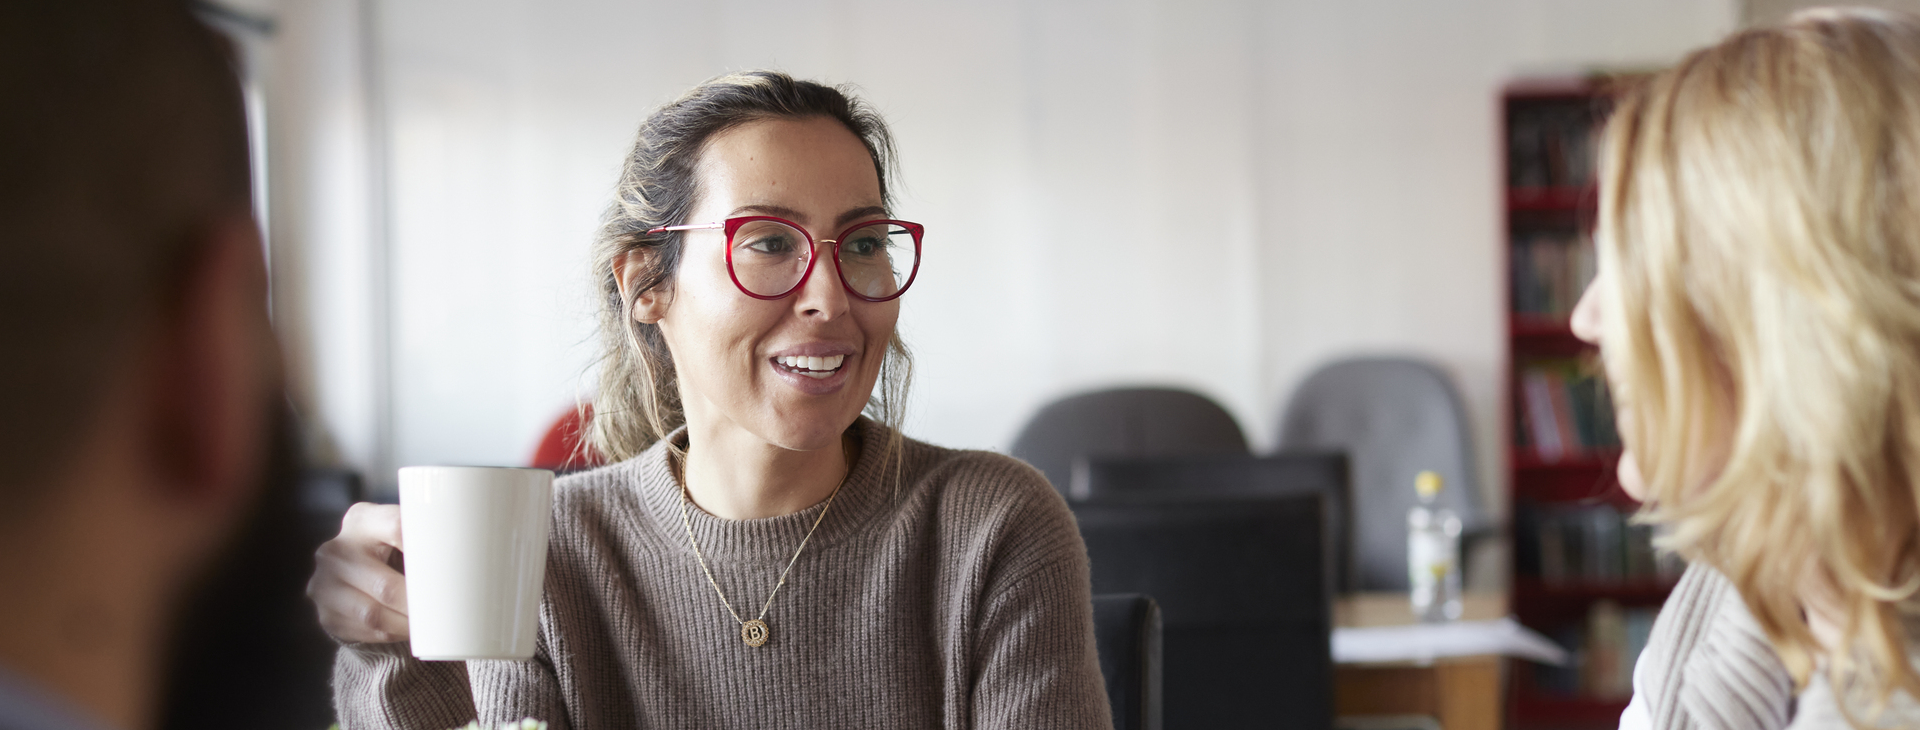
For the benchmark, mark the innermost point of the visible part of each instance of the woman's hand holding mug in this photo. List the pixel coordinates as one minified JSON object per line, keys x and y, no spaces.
{"x":479,"y":560}
{"x":355,"y":588}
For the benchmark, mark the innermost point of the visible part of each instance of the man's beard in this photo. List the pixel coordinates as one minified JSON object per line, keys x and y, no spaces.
{"x":246,"y":651}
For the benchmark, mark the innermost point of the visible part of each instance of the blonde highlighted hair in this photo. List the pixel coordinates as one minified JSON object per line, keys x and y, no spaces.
{"x":1760,"y":228}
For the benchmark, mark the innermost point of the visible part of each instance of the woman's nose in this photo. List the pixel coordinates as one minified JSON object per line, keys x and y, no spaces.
{"x":822,"y":294}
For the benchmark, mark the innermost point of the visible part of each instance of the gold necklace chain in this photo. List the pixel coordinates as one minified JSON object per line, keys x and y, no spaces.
{"x":755,"y":632}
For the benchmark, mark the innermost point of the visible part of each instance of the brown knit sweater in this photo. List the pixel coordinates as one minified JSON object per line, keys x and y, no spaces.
{"x":959,"y":599}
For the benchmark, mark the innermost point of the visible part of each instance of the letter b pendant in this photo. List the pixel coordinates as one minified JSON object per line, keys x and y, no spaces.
{"x":754,"y":632}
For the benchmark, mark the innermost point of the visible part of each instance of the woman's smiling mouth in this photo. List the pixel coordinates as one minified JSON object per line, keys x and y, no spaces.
{"x":818,"y":368}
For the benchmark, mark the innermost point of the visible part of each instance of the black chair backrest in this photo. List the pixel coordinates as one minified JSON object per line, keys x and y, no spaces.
{"x":1212,"y":477}
{"x":1242,"y":591}
{"x":1126,"y":626}
{"x":1125,"y":422}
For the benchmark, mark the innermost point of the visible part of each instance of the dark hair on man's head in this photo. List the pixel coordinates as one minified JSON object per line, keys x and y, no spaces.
{"x":124,"y":134}
{"x":639,"y":398}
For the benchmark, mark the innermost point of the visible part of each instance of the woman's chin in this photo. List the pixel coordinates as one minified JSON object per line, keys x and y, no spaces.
{"x":1628,"y":473}
{"x":810,"y":429}
{"x":808,"y":440}
{"x":814,"y":411}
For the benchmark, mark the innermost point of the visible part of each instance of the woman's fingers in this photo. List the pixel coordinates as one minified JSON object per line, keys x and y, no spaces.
{"x":349,"y":615}
{"x":369,"y":523}
{"x":355,"y":589}
{"x":365,"y":568}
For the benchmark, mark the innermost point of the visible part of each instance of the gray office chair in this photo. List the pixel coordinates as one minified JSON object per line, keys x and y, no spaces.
{"x":1215,"y":477}
{"x":1394,"y":418}
{"x":1126,"y":627}
{"x":1241,"y":585}
{"x":1125,"y":422}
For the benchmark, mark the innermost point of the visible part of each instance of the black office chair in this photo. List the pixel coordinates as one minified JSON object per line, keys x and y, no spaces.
{"x":1212,"y":477}
{"x":1242,"y":590}
{"x":1125,"y":422}
{"x":1126,"y":627}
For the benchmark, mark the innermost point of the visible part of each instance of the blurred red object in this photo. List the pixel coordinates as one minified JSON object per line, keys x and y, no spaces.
{"x":562,"y":449}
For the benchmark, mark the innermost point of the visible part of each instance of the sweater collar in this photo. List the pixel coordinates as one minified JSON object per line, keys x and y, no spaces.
{"x":866,"y":492}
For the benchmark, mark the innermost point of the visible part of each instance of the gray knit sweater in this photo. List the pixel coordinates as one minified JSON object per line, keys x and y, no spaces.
{"x":960,"y":599}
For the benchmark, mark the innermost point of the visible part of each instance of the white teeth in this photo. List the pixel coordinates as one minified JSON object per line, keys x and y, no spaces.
{"x":823,"y":366}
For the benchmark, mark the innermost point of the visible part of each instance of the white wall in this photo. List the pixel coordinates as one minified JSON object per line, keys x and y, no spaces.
{"x":1220,"y":194}
{"x":326,"y":228}
{"x":1768,"y":11}
{"x":1381,"y":218}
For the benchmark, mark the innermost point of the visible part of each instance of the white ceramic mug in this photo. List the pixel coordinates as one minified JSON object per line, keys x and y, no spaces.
{"x":476,"y":554}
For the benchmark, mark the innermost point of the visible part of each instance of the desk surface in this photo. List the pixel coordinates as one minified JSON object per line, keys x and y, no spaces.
{"x":1461,"y":693}
{"x":1359,"y":610}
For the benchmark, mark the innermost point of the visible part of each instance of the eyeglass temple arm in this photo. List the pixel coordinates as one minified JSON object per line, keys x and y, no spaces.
{"x":702,"y":226}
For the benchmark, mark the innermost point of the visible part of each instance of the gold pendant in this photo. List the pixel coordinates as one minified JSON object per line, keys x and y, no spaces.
{"x":754,"y":632}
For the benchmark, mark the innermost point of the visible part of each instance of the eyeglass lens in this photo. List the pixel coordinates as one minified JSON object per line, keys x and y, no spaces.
{"x":769,"y":257}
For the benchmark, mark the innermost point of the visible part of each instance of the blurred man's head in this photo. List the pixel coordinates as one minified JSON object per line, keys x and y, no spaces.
{"x":124,"y":141}
{"x":138,"y":379}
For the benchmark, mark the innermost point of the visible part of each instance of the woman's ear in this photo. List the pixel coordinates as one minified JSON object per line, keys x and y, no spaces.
{"x":651,"y":305}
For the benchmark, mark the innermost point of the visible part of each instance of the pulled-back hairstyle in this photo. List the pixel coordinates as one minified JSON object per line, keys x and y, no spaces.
{"x":1760,"y":244}
{"x":639,"y":397}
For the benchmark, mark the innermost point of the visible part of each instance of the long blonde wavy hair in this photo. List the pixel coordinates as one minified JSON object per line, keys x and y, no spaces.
{"x":1760,"y":247}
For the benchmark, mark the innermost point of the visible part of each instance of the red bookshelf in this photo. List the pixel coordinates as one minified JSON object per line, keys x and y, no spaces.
{"x":1581,"y":571}
{"x":1580,"y":712}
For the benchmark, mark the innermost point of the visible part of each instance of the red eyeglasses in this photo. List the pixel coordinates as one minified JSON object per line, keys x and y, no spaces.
{"x":770,"y":258}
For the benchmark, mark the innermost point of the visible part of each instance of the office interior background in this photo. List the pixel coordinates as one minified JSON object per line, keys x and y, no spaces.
{"x":1218,"y":195}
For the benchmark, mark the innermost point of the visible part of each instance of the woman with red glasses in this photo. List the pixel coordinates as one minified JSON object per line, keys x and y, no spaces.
{"x":767,"y":550}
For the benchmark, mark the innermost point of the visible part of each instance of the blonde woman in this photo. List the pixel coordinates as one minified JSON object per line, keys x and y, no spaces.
{"x":1759,"y":316}
{"x":762,"y":555}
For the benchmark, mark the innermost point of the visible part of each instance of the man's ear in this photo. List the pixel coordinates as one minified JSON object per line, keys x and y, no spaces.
{"x":651,"y":305}
{"x":215,"y":368}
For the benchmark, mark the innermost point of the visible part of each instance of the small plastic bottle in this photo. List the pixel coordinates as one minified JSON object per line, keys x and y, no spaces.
{"x":1433,"y":554}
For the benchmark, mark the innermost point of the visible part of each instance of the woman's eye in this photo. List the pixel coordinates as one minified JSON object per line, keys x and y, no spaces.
{"x":866,"y":246}
{"x":771,"y":245}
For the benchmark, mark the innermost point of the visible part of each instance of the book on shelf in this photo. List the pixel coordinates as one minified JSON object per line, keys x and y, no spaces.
{"x":1602,"y":649}
{"x":1565,"y":409}
{"x":1588,"y":545}
{"x":1550,"y":144}
{"x":1551,"y":269}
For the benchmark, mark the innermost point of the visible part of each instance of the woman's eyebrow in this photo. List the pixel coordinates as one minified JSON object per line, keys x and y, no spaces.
{"x":772,"y":210}
{"x":858,"y":213}
{"x":848,"y":217}
{"x":795,"y":216}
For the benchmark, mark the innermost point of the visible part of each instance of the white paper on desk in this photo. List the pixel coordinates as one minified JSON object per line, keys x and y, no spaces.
{"x":1426,"y":642}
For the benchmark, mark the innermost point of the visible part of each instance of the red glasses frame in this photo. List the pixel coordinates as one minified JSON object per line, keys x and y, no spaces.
{"x":731,"y":225}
